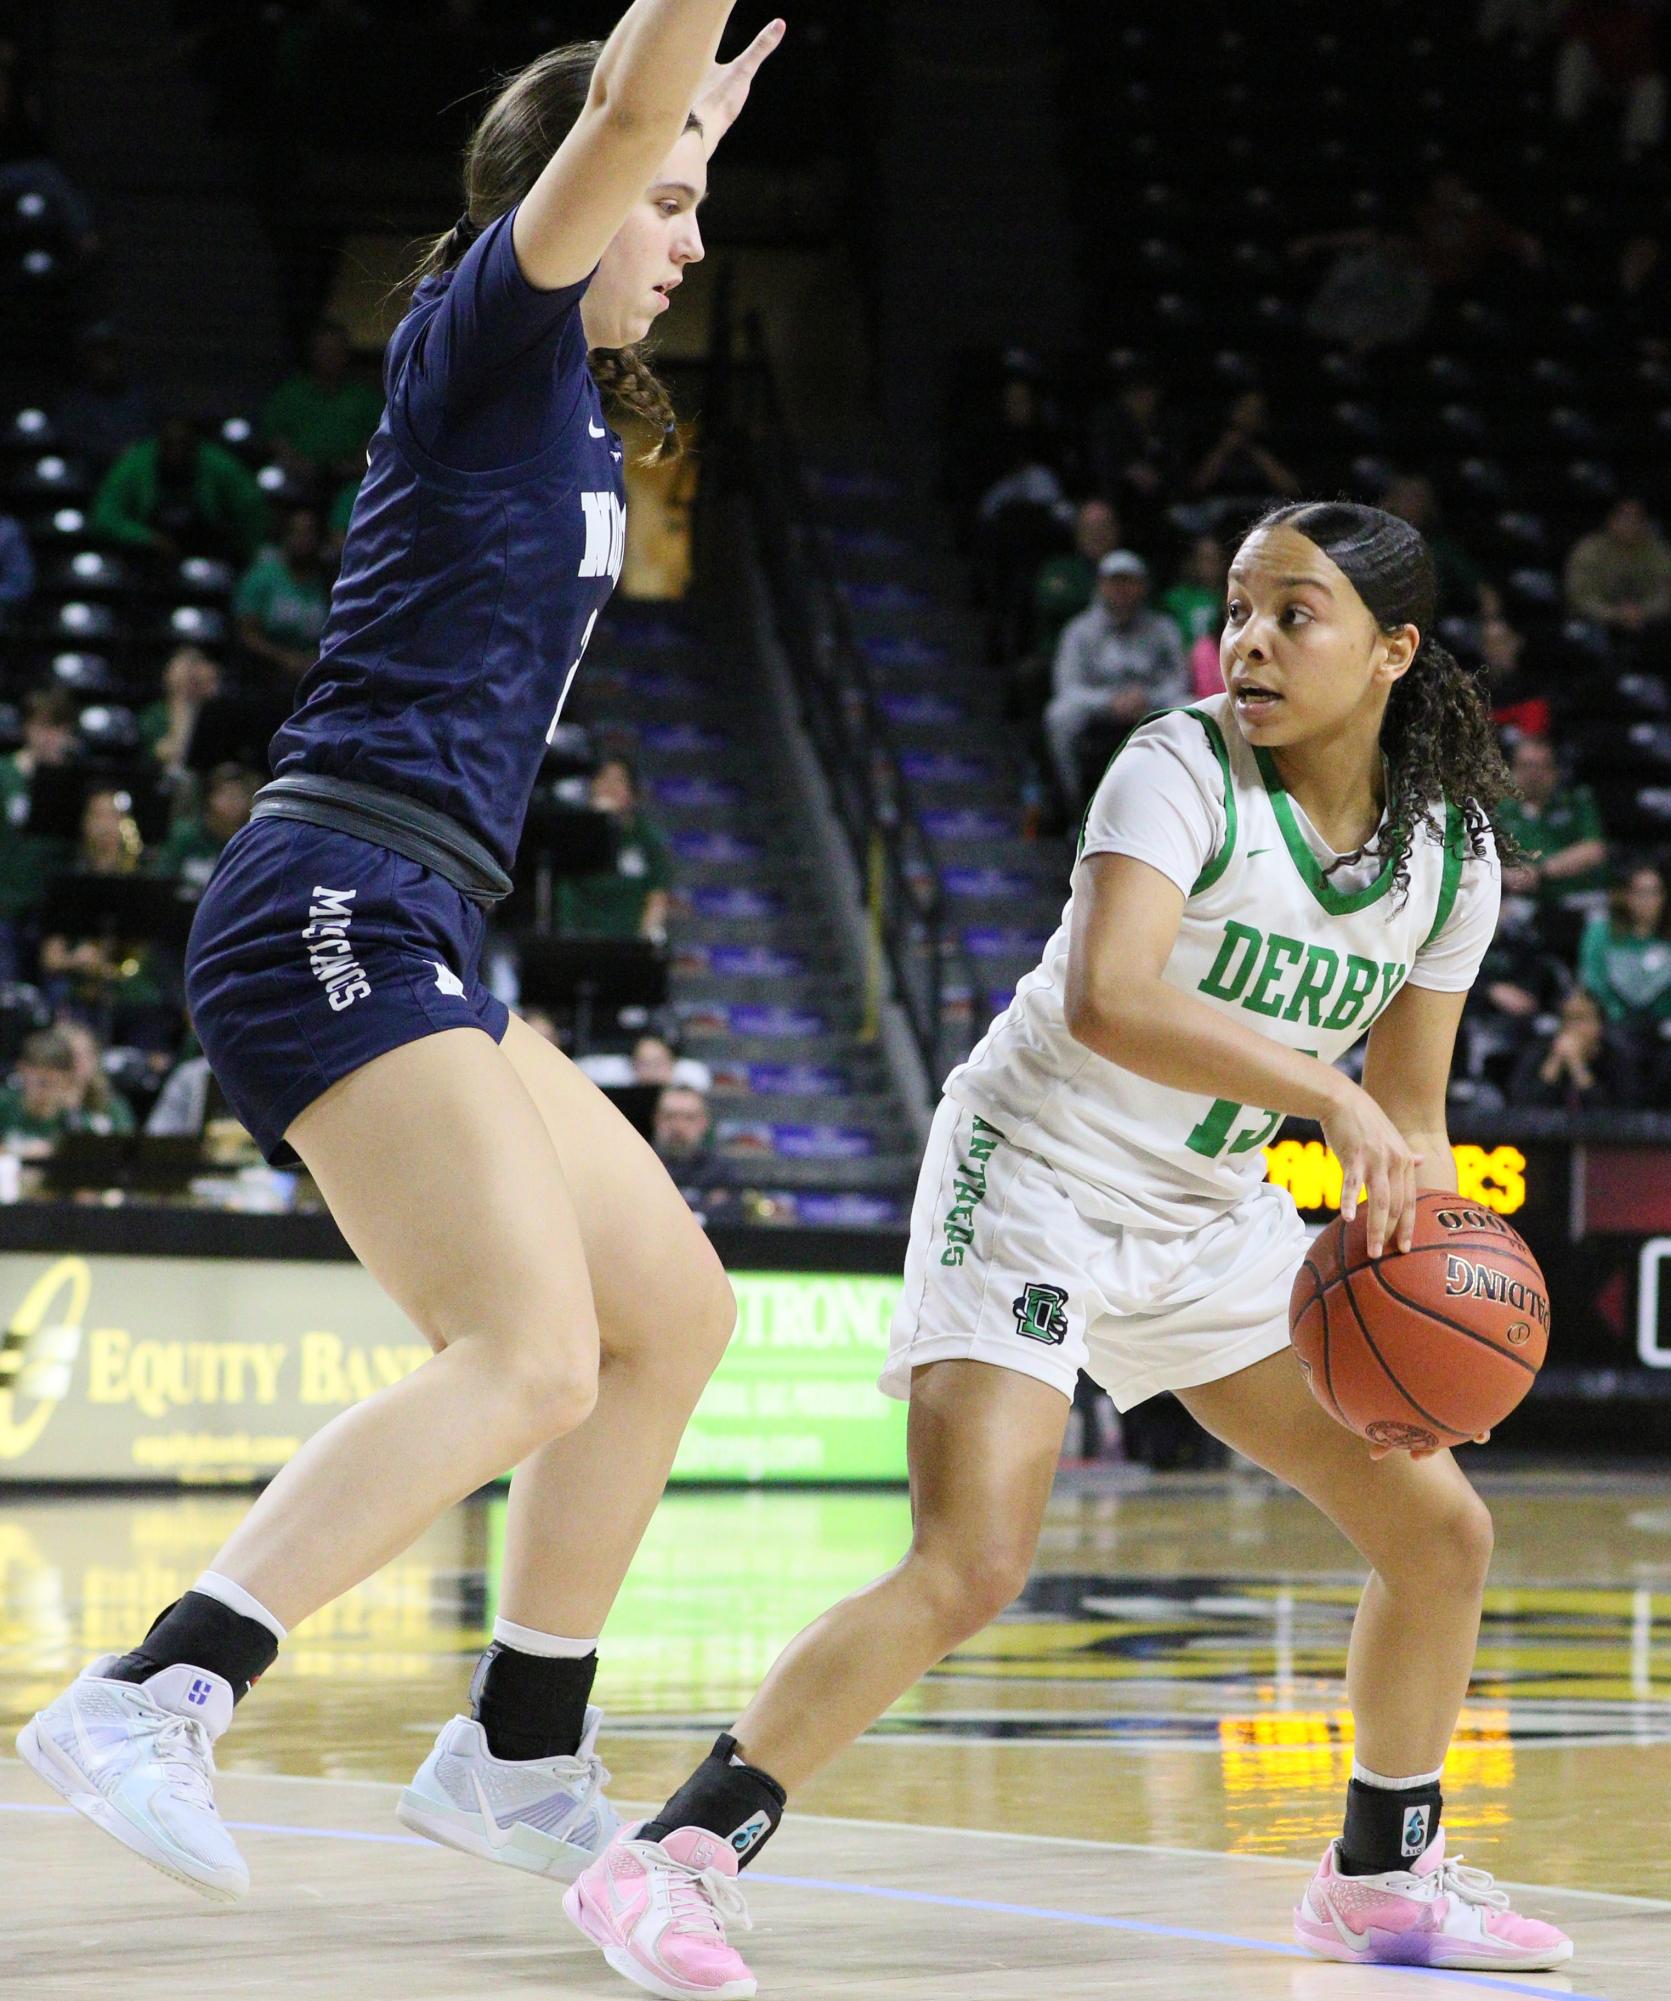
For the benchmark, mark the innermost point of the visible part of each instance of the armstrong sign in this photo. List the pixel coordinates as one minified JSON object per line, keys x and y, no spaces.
{"x":216,"y":1369}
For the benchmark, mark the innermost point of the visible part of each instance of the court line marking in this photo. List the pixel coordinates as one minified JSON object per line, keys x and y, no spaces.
{"x":928,"y":1827}
{"x":1131,"y":1927}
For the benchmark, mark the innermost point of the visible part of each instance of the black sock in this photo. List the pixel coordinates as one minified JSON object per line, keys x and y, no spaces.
{"x":531,"y":1705}
{"x":1387,"y":1829}
{"x":728,"y":1798}
{"x":204,"y":1633}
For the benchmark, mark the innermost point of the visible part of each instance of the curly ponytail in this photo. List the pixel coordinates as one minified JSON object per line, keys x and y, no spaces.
{"x":528,"y":119}
{"x":1440,"y":747}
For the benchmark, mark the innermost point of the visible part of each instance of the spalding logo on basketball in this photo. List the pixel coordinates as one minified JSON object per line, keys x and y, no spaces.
{"x":1424,"y":1347}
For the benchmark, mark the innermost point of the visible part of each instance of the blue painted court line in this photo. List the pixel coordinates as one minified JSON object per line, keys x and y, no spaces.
{"x":936,"y":1901}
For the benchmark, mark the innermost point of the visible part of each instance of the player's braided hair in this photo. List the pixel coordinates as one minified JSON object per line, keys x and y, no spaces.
{"x":1436,"y":735}
{"x":531,"y":114}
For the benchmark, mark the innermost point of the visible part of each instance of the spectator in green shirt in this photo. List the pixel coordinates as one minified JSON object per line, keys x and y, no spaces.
{"x":194,"y":844}
{"x":1065,"y":585}
{"x":49,"y":1096}
{"x":29,"y":860}
{"x":1558,"y":827}
{"x":1625,"y":957}
{"x":1195,"y":603}
{"x":631,"y":901}
{"x":179,"y":495}
{"x":94,"y":976}
{"x":320,"y":421}
{"x":189,"y":681}
{"x":283,"y":598}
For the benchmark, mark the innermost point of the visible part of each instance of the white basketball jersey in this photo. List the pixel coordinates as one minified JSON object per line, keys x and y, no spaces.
{"x":1266,"y":936}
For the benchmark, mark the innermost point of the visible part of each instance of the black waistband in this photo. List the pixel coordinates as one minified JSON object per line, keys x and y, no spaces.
{"x":392,"y":821}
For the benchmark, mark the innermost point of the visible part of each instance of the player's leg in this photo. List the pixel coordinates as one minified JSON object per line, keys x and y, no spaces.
{"x":518,"y":1781}
{"x":983,"y":1443}
{"x":1385,"y":1890}
{"x":440,"y":1173}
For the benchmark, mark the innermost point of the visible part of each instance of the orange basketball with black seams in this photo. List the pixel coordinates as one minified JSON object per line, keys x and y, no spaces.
{"x":1429,"y":1346}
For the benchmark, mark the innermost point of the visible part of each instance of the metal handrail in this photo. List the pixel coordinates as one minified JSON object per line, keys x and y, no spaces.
{"x":841,"y":708}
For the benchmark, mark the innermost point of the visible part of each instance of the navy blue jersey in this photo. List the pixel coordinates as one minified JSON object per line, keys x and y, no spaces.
{"x":484,"y":542}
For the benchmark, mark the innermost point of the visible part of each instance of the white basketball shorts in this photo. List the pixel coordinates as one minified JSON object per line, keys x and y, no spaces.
{"x":1002,"y":1268}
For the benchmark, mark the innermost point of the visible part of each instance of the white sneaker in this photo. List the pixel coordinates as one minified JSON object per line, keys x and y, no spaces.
{"x":545,"y":1815}
{"x":137,"y":1759}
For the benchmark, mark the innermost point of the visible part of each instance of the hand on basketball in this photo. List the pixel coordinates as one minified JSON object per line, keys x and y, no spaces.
{"x":1374,"y":1156}
{"x":1422,"y":1451}
{"x":723,"y":96}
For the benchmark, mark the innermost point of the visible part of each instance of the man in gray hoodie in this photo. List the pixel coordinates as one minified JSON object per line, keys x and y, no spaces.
{"x":1114,"y":663}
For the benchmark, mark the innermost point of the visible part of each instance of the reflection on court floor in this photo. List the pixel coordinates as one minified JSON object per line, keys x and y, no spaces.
{"x":1172,"y":1680}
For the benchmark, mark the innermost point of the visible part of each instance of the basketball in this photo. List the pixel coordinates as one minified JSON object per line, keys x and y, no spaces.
{"x":1425,"y":1347}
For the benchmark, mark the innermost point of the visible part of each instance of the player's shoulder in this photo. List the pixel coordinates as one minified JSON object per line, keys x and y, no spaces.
{"x":1195,"y":731}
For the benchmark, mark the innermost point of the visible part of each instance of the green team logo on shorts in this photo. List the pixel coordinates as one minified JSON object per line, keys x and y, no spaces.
{"x":1038,"y":1314}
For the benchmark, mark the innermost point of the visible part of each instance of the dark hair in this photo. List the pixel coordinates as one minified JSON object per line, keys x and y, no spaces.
{"x":1618,"y":898}
{"x":54,"y":707}
{"x":532,"y":112}
{"x":1436,"y":734}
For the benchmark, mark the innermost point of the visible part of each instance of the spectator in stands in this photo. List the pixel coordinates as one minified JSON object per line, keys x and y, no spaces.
{"x":1608,"y":49}
{"x":1557,"y":826}
{"x":1578,"y":1068}
{"x":1374,"y":294}
{"x":1516,"y":708}
{"x":1462,"y":584}
{"x":1624,"y":960}
{"x":1065,"y":584}
{"x":93,"y":975}
{"x":182,"y":1107}
{"x":105,"y":411}
{"x":26,"y":169}
{"x":1195,"y":603}
{"x":48,"y":1097}
{"x":632,"y":899}
{"x":283,"y":597}
{"x":684,"y":1128}
{"x":1019,"y":516}
{"x":194,"y":843}
{"x":1115,"y":663}
{"x":1519,"y":981}
{"x":29,"y":859}
{"x":320,"y":421}
{"x":17,"y":568}
{"x":176,"y":495}
{"x":1460,"y":236}
{"x":190,"y":680}
{"x":1241,"y":464}
{"x":1620,"y":575}
{"x":653,"y":1060}
{"x":1137,"y":453}
{"x":1643,"y":305}
{"x":100,"y":1098}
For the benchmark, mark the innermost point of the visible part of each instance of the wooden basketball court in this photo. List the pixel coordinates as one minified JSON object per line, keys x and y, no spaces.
{"x":1118,"y":1789}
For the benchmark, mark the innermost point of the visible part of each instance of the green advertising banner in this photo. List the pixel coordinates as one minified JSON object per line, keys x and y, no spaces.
{"x":214,"y":1370}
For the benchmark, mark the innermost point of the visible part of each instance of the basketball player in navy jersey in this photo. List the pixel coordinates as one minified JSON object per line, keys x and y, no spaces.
{"x":574,"y":1307}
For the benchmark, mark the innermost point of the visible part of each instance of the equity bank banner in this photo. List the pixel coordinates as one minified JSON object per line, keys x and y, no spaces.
{"x":201,"y":1370}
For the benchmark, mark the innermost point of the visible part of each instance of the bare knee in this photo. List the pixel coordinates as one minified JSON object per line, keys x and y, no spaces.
{"x":966,"y":1585}
{"x":1446,"y":1546}
{"x":550,"y":1393}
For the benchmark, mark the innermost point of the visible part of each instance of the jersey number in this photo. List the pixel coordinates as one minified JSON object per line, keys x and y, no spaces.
{"x":1211,"y":1135}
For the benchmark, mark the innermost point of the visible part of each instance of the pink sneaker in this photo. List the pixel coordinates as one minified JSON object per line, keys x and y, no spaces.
{"x":1435,"y":1913}
{"x":659,"y":1910}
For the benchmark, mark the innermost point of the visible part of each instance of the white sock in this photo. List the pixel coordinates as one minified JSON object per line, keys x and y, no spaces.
{"x":549,"y":1645}
{"x":1366,"y":1777}
{"x":213,"y":1585}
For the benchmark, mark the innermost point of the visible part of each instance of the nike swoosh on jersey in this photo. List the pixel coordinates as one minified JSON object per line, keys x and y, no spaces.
{"x":593,"y":430}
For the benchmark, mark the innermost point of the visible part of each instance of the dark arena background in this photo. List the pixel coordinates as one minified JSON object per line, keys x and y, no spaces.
{"x":993,"y":291}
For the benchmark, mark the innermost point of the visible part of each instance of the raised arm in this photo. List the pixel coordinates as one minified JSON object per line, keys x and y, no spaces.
{"x":656,"y":69}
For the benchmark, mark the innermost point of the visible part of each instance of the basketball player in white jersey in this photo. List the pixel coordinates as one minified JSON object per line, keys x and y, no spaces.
{"x":1263,"y":879}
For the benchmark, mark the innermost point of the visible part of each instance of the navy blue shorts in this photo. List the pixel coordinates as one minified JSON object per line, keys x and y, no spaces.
{"x":313,"y":952}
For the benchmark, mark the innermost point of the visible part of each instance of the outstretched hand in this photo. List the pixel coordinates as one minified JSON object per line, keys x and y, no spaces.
{"x":725,"y":92}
